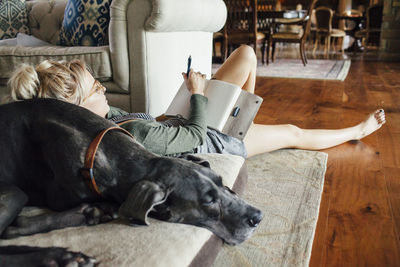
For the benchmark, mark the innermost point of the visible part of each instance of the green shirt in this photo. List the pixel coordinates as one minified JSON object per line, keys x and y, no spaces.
{"x":164,"y":140}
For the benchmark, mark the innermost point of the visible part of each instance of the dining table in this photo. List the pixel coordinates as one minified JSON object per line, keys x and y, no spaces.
{"x":359,"y":21}
{"x":266,"y":18}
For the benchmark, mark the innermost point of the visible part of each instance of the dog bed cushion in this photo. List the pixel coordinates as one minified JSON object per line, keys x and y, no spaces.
{"x":159,"y":244}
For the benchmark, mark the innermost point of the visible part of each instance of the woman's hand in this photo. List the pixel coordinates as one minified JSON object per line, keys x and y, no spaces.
{"x":196,"y":82}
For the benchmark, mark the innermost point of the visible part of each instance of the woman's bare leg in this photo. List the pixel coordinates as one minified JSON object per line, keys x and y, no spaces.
{"x":240,"y":69}
{"x":265,"y":138}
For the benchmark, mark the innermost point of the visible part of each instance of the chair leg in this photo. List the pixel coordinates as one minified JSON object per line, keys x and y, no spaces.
{"x":341,"y":45}
{"x":302,"y":54}
{"x":329,"y":44}
{"x":226,"y":48}
{"x":255,"y":46}
{"x":365,"y":42}
{"x":336,"y":45}
{"x":273,"y":51}
{"x":263,"y":53}
{"x":316,"y":43}
{"x":267,"y":54}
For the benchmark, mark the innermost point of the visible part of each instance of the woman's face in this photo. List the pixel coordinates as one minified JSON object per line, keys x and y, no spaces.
{"x":95,"y":99}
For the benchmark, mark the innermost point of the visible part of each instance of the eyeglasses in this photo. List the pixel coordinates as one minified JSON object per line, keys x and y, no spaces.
{"x":96,"y":88}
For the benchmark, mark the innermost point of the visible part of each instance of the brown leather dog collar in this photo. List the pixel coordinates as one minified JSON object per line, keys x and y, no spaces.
{"x":87,"y":170}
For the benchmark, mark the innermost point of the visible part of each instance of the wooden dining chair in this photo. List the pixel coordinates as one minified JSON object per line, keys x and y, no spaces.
{"x":324,"y":16}
{"x":299,"y":36}
{"x":372,"y":31}
{"x":241,"y":26}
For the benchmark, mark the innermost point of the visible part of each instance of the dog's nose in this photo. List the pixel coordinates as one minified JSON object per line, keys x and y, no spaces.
{"x":255,"y":218}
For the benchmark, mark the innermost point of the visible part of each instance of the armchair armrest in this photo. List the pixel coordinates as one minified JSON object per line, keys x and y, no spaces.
{"x":159,"y":16}
{"x":186,"y":15}
{"x":143,"y":33}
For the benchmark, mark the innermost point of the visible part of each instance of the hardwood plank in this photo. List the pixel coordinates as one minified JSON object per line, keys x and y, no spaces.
{"x":389,"y":146}
{"x":393,"y":186}
{"x":319,"y":244}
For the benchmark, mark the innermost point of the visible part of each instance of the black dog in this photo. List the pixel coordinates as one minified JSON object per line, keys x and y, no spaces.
{"x":43,"y":145}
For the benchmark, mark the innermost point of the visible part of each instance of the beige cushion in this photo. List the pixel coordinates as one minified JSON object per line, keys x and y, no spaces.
{"x":337,"y":33}
{"x":97,"y":58}
{"x":291,"y":28}
{"x":45,"y":19}
{"x":284,"y":20}
{"x":159,"y":244}
{"x":288,"y":35}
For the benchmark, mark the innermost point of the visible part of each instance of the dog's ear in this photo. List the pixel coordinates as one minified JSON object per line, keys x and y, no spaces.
{"x":144,"y":195}
{"x":195,"y":159}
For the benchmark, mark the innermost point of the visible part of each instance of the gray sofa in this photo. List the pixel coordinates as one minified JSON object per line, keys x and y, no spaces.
{"x":149,"y":42}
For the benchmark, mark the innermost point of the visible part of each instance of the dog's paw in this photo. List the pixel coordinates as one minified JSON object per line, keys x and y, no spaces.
{"x":69,"y":259}
{"x":44,"y":256}
{"x":10,"y":232}
{"x":100,"y":213}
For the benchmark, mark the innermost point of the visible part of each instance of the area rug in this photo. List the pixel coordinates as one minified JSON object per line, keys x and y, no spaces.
{"x":287,"y":186}
{"x":319,"y":69}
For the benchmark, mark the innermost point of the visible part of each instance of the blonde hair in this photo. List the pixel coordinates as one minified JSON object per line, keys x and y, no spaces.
{"x":62,"y":80}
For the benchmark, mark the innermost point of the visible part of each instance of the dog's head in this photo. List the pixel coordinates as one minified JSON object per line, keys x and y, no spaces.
{"x":191,"y":194}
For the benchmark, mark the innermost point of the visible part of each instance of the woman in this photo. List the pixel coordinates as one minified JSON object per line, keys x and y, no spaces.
{"x":72,"y":82}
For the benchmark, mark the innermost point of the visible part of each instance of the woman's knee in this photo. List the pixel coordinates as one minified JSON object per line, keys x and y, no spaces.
{"x":294,"y":132}
{"x":248,"y":53}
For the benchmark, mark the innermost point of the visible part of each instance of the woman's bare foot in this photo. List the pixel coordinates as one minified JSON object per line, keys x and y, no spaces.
{"x":373,"y":122}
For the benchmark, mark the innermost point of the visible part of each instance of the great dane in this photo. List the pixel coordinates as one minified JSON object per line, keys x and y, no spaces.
{"x":43,"y":146}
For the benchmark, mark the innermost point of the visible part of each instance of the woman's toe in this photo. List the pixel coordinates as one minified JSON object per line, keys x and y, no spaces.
{"x":380,"y":116}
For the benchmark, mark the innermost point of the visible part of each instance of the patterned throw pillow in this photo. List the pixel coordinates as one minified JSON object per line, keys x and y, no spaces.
{"x":85,"y":23}
{"x":13,"y":18}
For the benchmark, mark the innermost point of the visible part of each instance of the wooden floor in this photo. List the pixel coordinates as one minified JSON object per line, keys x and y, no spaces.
{"x":359,"y":219}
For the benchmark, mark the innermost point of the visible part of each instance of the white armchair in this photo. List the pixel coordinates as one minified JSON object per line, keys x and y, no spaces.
{"x":149,"y":42}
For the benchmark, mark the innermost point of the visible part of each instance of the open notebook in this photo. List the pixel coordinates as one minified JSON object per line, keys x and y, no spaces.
{"x":230,"y":109}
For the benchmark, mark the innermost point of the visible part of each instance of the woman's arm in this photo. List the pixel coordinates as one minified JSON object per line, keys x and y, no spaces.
{"x":165,"y":140}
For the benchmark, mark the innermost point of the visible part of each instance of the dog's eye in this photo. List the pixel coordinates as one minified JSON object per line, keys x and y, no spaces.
{"x":209,"y":202}
{"x":209,"y":198}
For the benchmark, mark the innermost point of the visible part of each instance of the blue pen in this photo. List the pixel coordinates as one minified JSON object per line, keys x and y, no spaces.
{"x":188,"y":66}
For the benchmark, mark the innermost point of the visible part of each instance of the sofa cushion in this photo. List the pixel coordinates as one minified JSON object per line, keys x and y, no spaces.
{"x":85,"y":23}
{"x":97,"y":58}
{"x":13,"y":18}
